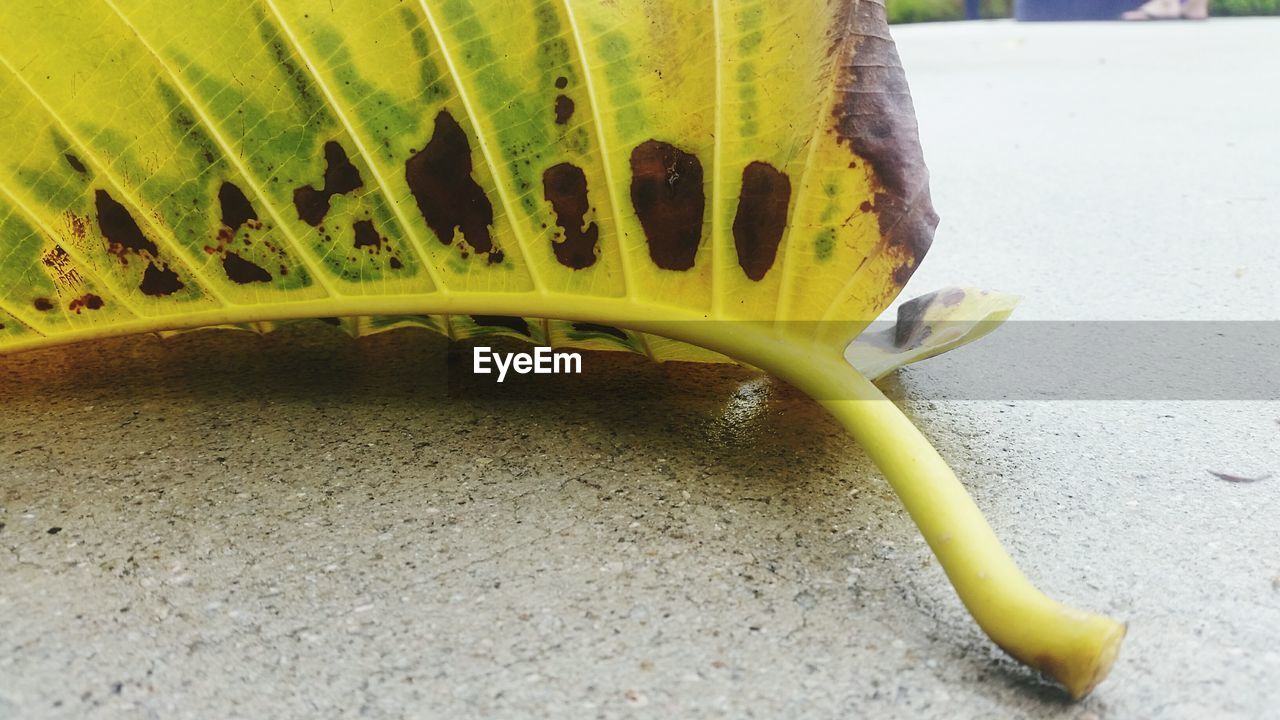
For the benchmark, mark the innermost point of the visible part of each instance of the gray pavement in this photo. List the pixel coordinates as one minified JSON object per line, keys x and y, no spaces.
{"x":300,"y":525}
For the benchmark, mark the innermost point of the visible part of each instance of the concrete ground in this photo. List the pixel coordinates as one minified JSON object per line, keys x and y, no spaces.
{"x":223,"y":525}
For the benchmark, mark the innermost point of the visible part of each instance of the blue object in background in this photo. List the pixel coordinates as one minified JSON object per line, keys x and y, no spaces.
{"x":1072,"y":9}
{"x":973,"y":9}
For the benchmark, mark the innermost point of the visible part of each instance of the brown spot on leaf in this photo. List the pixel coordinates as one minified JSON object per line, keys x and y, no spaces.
{"x":57,"y":259}
{"x":564,"y":109}
{"x":75,"y":163}
{"x":366,"y":235}
{"x":562,"y":82}
{"x":236,"y":208}
{"x":504,"y":321}
{"x":77,"y":225}
{"x":87,"y":301}
{"x":602,"y":329}
{"x":448,"y":196}
{"x":160,"y":281}
{"x":565,"y":187}
{"x":120,"y":229}
{"x":43,"y":304}
{"x":243,"y":271}
{"x":667,"y":193}
{"x":761,"y":217}
{"x":340,"y":178}
{"x":874,"y":116}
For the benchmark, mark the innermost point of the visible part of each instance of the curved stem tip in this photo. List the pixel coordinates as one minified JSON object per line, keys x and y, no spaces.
{"x":1074,"y":647}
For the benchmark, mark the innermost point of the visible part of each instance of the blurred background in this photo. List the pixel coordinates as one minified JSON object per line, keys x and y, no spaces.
{"x":911,"y":11}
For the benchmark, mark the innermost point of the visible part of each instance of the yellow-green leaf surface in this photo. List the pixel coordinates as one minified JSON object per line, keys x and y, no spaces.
{"x":505,"y":166}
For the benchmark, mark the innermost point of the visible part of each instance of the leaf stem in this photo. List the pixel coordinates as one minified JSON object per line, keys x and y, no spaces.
{"x":1074,"y":647}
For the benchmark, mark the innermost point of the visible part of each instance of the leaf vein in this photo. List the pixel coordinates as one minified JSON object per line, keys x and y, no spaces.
{"x":611,"y":186}
{"x":86,"y":153}
{"x":418,"y":244}
{"x":303,"y":254}
{"x":465,"y":98}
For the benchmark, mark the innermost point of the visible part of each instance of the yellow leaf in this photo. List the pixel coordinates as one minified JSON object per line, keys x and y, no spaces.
{"x":689,"y":179}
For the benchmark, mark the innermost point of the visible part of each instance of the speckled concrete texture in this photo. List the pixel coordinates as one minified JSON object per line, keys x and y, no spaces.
{"x":301,"y":525}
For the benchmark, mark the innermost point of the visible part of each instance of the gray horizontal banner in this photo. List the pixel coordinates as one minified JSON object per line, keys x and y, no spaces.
{"x":1171,"y":360}
{"x":1036,"y":360}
